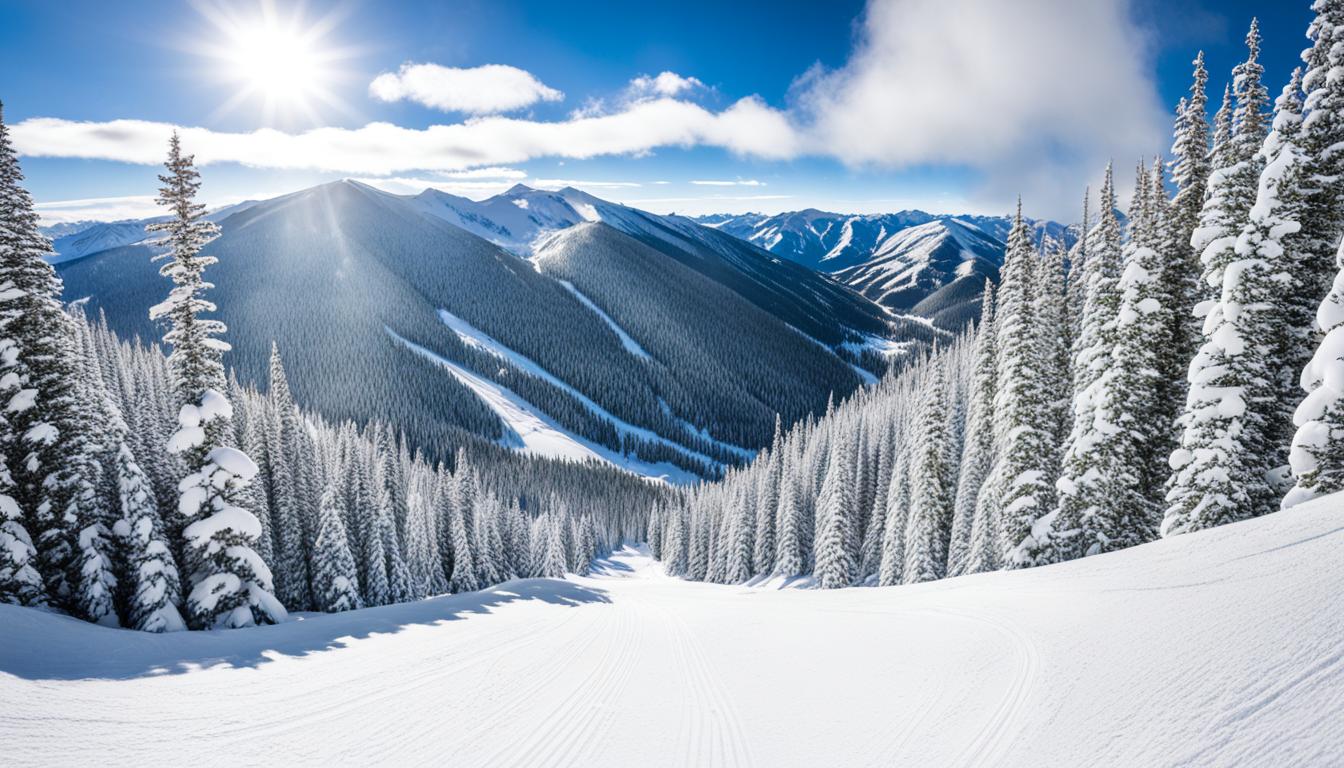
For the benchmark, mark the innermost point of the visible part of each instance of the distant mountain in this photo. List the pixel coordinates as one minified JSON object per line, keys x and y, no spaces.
{"x":933,"y":266}
{"x":79,"y":239}
{"x":652,"y":342}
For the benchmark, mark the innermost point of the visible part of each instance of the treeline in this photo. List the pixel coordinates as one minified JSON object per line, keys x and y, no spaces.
{"x":151,"y":492}
{"x":1148,"y":383}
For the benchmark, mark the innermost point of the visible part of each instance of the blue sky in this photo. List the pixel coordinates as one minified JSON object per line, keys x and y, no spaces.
{"x":949,"y":105}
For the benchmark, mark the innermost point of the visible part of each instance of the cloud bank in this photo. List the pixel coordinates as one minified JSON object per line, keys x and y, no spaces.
{"x":483,"y":90}
{"x":1031,"y":96}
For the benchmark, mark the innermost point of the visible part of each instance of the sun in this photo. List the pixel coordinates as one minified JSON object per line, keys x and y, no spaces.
{"x":277,"y":61}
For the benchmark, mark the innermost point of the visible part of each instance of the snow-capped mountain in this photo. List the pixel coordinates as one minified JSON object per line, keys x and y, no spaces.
{"x":649,"y":342}
{"x":79,"y":239}
{"x":918,"y":269}
{"x":911,"y":261}
{"x":824,"y":241}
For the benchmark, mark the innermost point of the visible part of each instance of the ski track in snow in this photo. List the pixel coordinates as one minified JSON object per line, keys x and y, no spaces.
{"x":535,"y":433}
{"x":473,"y":336}
{"x":1208,"y":649}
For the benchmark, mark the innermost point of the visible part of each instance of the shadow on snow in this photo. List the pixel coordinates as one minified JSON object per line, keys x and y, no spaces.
{"x":39,"y":645}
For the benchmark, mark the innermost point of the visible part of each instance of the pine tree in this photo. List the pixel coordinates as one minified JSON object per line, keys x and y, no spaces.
{"x":1024,"y":471}
{"x":835,"y":514}
{"x":1317,"y":456}
{"x":553,"y":548}
{"x":767,"y":504}
{"x":928,"y":526}
{"x":1080,"y":526}
{"x":230,"y":585}
{"x":47,"y":437}
{"x":158,"y":590}
{"x":789,"y":557}
{"x":286,"y":515}
{"x":977,"y":458}
{"x":1190,"y":173}
{"x":892,"y":568}
{"x":462,"y":578}
{"x":335,"y":581}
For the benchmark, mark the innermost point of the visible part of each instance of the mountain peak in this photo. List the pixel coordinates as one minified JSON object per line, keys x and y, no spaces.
{"x":518,"y":189}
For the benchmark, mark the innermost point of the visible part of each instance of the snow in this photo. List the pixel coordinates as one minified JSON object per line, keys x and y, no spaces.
{"x":474,"y":337}
{"x":1213,"y":648}
{"x":233,"y":461}
{"x":627,"y":341}
{"x":533,"y":432}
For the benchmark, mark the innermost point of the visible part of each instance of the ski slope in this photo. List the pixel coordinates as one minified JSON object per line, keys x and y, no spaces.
{"x":1216,"y":648}
{"x":531,"y":431}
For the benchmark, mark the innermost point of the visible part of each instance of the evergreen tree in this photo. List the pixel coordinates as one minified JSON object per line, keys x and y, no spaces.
{"x":230,"y":585}
{"x":1222,"y":467}
{"x":1080,"y":525}
{"x":1190,"y":173}
{"x":158,"y":590}
{"x":977,"y":458}
{"x":1317,"y":456}
{"x":835,"y":562}
{"x":292,"y":574}
{"x":789,"y":557}
{"x":892,"y":567}
{"x":930,"y":520}
{"x":335,"y":581}
{"x":1024,"y":469}
{"x":46,"y":435}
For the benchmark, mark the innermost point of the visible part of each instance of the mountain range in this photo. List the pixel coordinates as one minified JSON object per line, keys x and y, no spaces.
{"x":601,"y":331}
{"x":911,"y":262}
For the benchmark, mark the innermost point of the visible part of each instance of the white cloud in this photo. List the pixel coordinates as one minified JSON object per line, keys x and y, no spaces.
{"x":480,"y":90}
{"x":664,"y":84}
{"x":748,"y":127}
{"x":726,"y":183}
{"x":1034,"y":94}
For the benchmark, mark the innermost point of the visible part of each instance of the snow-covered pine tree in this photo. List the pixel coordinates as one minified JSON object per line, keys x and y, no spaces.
{"x":892,"y":567}
{"x":46,"y":433}
{"x":1221,"y":469}
{"x":1190,"y":174}
{"x":155,"y":581}
{"x":335,"y":580}
{"x":19,"y":580}
{"x":977,"y":457}
{"x":767,"y":504}
{"x":930,"y":519}
{"x":230,"y":585}
{"x":462,"y":578}
{"x":1321,"y":140}
{"x":1051,"y":320}
{"x":790,"y":559}
{"x":835,"y":514}
{"x":1077,"y":528}
{"x":1024,"y":470}
{"x":553,"y":552}
{"x":1317,"y":456}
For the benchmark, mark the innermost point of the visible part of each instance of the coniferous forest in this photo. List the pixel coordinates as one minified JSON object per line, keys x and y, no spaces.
{"x":1165,"y":375}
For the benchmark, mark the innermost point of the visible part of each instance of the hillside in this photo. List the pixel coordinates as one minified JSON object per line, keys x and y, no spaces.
{"x":356,"y":286}
{"x":1207,"y":649}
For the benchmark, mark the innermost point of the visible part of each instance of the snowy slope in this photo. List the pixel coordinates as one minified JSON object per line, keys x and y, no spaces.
{"x":532,"y":432}
{"x":1211,"y":649}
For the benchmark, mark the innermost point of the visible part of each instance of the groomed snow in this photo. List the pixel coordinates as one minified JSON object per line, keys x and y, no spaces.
{"x":1209,"y":649}
{"x":533,"y":432}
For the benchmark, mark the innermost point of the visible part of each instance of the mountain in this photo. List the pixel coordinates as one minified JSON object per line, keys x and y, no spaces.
{"x":627,"y":338}
{"x":814,"y":304}
{"x":80,"y":239}
{"x":931,"y":266}
{"x":823,"y":241}
{"x":936,"y":270}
